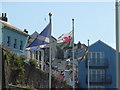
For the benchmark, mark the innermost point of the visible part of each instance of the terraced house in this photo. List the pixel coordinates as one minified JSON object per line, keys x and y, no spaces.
{"x":12,"y":36}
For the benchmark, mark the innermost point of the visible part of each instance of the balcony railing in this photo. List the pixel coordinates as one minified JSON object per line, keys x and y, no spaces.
{"x":97,"y":63}
{"x":99,"y":79}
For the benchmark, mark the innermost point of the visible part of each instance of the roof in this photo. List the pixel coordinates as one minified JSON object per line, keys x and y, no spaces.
{"x":34,"y":35}
{"x":6,"y":24}
{"x":54,"y":38}
{"x":99,"y":41}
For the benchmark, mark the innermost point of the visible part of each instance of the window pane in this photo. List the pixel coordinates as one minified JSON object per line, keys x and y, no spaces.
{"x":37,"y":55}
{"x":98,"y":55}
{"x":40,"y":55}
{"x":15,"y":43}
{"x":21,"y":45}
{"x":102,"y":55}
{"x":31,"y":54}
{"x":93,"y":55}
{"x":8,"y":40}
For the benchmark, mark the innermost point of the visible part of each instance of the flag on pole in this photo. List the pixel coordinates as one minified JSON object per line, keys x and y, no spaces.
{"x":82,"y":55}
{"x":42,"y":39}
{"x":65,"y":40}
{"x":33,"y":48}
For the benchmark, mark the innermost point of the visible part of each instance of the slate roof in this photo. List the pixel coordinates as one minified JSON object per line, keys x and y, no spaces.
{"x":6,"y":24}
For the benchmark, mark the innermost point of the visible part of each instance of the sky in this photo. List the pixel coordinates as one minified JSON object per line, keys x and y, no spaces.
{"x":93,"y":20}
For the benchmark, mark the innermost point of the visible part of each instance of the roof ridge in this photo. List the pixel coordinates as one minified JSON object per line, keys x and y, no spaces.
{"x":12,"y":27}
{"x":103,"y":43}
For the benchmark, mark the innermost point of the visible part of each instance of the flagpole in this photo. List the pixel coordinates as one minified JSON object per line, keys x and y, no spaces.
{"x":73,"y":54}
{"x":88,"y":68}
{"x":1,"y":60}
{"x":117,"y":45}
{"x":50,"y":52}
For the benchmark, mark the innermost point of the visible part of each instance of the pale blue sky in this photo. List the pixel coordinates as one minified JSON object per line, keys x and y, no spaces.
{"x":93,"y":20}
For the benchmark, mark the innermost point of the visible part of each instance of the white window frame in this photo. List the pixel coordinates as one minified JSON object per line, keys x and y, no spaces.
{"x":101,"y":57}
{"x":102,"y":72}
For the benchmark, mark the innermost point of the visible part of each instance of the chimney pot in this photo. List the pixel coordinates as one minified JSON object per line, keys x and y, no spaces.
{"x":2,"y":14}
{"x":4,"y":18}
{"x":5,"y":15}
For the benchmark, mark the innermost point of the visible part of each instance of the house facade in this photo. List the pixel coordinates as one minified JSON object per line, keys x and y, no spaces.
{"x":99,"y":70}
{"x":13,"y":37}
{"x":41,"y":55}
{"x":64,"y":63}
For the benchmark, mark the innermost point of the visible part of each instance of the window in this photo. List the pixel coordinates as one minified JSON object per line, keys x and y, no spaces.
{"x":92,"y":73}
{"x":96,"y":57}
{"x":36,"y":55}
{"x":8,"y":40}
{"x":15,"y":43}
{"x":97,"y":75}
{"x":40,"y":55}
{"x":102,"y":55}
{"x":31,"y":54}
{"x":95,"y":87}
{"x":21,"y":45}
{"x":93,"y":55}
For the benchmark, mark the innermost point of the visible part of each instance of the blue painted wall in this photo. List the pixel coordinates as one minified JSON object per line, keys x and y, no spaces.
{"x":110,"y":54}
{"x":5,"y":32}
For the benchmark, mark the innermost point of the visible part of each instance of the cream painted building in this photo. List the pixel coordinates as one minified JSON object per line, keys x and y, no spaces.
{"x":41,"y":56}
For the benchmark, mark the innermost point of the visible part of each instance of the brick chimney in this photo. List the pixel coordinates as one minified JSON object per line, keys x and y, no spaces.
{"x":4,"y":17}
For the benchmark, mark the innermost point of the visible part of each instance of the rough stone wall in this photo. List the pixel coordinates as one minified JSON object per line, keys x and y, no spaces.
{"x":33,"y":77}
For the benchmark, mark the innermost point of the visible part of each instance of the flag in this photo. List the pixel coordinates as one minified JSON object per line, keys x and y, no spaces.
{"x":33,"y":48}
{"x":42,"y":39}
{"x":65,"y":40}
{"x":82,"y":55}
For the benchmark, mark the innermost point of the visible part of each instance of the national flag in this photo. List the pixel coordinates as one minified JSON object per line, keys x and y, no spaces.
{"x":65,"y":40}
{"x":82,"y":55}
{"x":33,"y":48}
{"x":43,"y":38}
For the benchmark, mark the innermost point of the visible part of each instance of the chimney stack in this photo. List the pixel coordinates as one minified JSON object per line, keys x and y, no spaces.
{"x":79,"y":45}
{"x":25,"y":31}
{"x":4,"y":17}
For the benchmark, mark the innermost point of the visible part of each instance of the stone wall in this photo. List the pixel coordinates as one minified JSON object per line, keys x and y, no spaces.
{"x":32,"y":77}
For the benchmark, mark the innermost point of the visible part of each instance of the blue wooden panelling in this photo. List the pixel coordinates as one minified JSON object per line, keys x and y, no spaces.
{"x":110,"y":55}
